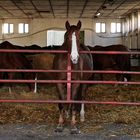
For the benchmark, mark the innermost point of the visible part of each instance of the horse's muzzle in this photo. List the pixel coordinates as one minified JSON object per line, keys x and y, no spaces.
{"x":74,"y":59}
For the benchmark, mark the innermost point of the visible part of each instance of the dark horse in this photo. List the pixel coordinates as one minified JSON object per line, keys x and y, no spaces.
{"x":14,"y":60}
{"x":112,"y":61}
{"x":78,"y":62}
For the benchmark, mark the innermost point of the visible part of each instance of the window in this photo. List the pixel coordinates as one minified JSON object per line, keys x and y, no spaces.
{"x":115,"y":27}
{"x":8,"y":28}
{"x":23,"y":28}
{"x":55,"y":37}
{"x":100,"y":27}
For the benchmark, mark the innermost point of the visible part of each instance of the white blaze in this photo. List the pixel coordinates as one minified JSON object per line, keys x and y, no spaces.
{"x":74,"y":51}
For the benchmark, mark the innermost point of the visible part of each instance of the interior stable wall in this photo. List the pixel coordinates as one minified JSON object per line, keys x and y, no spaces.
{"x":107,"y":38}
{"x":38,"y":31}
{"x":131,"y":30}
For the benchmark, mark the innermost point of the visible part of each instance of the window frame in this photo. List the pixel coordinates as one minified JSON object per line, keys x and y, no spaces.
{"x":101,"y":30}
{"x":10,"y":28}
{"x":53,"y":37}
{"x":24,"y":28}
{"x":116,"y":30}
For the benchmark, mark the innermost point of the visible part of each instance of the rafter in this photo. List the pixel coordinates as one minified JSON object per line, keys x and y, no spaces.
{"x":67,"y":8}
{"x":31,"y":9}
{"x":20,"y":8}
{"x":85,"y":4}
{"x":99,"y":8}
{"x":6,"y":10}
{"x":35,"y":8}
{"x":116,"y":7}
{"x":130,"y":10}
{"x":51,"y":8}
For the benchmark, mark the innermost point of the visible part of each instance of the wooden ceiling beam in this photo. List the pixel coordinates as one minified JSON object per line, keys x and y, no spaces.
{"x":84,"y":6}
{"x":67,"y":8}
{"x":20,"y":9}
{"x":6,"y":10}
{"x":35,"y":8}
{"x":51,"y":8}
{"x":131,"y":10}
{"x":116,"y":7}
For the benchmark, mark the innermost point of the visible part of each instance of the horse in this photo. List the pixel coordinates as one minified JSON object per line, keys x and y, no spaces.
{"x":14,"y":60}
{"x":51,"y":47}
{"x":112,"y":61}
{"x":78,"y":62}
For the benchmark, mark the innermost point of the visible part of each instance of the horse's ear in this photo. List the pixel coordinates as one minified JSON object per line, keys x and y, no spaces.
{"x":67,"y":25}
{"x":79,"y":24}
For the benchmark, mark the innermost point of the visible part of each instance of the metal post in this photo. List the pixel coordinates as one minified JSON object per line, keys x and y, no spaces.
{"x":69,"y":78}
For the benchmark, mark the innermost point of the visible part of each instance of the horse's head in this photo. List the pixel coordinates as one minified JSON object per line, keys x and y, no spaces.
{"x":72,"y":39}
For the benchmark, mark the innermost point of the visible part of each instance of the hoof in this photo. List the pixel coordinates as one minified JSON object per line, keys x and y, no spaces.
{"x":82,"y":118}
{"x":59,"y":128}
{"x":75,"y":130}
{"x":67,"y":114}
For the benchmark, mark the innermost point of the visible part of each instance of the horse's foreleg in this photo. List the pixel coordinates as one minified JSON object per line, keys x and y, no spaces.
{"x":60,"y":125}
{"x":75,"y":96}
{"x":10,"y":76}
{"x":61,"y":94}
{"x":120,"y":77}
{"x":74,"y":129}
{"x":32,"y":86}
{"x":82,"y":111}
{"x":35,"y":85}
{"x":125,"y":80}
{"x":101,"y":76}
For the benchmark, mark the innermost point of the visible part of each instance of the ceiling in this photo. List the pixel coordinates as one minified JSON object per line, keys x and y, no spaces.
{"x":67,"y":8}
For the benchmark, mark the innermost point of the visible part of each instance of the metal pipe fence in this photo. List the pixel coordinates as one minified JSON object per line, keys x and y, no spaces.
{"x":68,"y":81}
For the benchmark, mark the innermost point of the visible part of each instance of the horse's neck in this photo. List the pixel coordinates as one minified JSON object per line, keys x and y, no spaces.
{"x":64,"y":46}
{"x":83,"y":47}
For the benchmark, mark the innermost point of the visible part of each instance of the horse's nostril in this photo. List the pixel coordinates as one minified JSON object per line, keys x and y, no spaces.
{"x":74,"y":60}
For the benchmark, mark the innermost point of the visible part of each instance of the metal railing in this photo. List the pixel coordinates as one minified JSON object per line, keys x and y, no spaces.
{"x":69,"y":71}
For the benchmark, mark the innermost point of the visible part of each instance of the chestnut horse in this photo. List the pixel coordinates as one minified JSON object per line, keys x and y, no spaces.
{"x":78,"y":62}
{"x":112,"y":61}
{"x":14,"y":60}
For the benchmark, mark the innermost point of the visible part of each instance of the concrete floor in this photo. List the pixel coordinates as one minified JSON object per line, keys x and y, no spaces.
{"x":43,"y":132}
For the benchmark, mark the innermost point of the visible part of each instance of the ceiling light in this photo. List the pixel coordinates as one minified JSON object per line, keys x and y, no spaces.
{"x":98,"y":14}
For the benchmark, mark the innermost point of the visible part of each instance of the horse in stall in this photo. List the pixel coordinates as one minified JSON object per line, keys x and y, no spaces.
{"x":78,"y":62}
{"x":14,"y":60}
{"x":112,"y":61}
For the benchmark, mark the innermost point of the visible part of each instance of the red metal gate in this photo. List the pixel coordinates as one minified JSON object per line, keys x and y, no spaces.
{"x":69,"y":81}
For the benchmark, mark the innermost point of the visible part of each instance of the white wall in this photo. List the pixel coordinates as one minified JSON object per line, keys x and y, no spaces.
{"x":107,"y":38}
{"x":131,"y":30}
{"x":15,"y":38}
{"x":38,"y":31}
